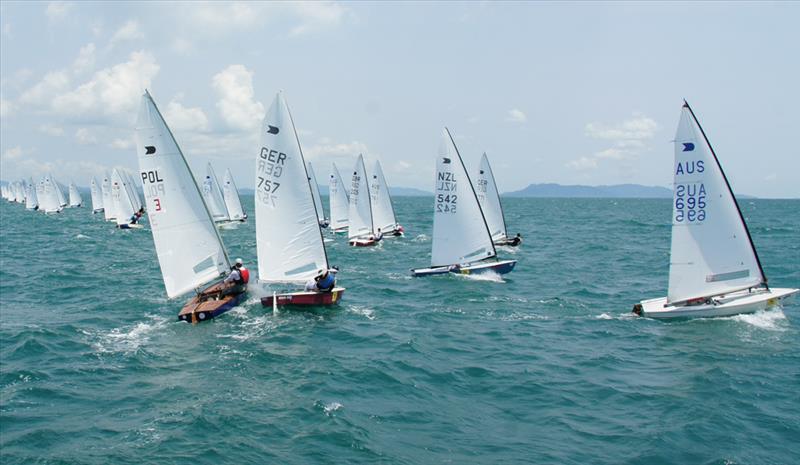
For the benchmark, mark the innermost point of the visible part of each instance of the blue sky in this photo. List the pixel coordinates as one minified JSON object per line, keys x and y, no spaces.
{"x":574,"y":93}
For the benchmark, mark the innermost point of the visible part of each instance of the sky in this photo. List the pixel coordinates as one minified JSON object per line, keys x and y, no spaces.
{"x":571,"y":93}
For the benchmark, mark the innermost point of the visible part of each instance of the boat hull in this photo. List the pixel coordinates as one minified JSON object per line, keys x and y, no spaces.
{"x":499,"y":267}
{"x":364,"y":242}
{"x":508,"y":242}
{"x":211,"y":303}
{"x":735,"y":303}
{"x":130,"y":226}
{"x":306,"y":298}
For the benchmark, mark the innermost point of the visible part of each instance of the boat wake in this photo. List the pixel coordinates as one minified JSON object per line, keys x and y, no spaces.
{"x":485,"y":276}
{"x":129,"y":340}
{"x":772,"y":320}
{"x":361,"y":310}
{"x":420,"y":238}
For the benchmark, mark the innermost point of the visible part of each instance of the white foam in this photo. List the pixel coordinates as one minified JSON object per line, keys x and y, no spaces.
{"x":129,"y":340}
{"x":331,"y":407}
{"x":363,"y":311}
{"x":769,"y":319}
{"x":484,"y":276}
{"x":81,"y":236}
{"x":420,"y":238}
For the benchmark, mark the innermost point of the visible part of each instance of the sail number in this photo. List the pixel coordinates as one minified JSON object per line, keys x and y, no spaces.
{"x":446,"y":201}
{"x":482,"y":188}
{"x":269,"y":168}
{"x":153,"y":185}
{"x":690,"y":203}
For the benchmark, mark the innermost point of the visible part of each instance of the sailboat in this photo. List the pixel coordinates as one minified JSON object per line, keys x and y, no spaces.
{"x":62,"y":200}
{"x":714,"y":267}
{"x":339,"y":202}
{"x":489,"y":198}
{"x":382,"y":204}
{"x":130,"y":187}
{"x":461,"y":240}
{"x":108,"y":205}
{"x":123,"y":202}
{"x":97,"y":197}
{"x":232,"y":201}
{"x":189,"y":248}
{"x":75,"y":199}
{"x":31,"y":200}
{"x":312,"y":178}
{"x":48,"y":197}
{"x":289,"y":241}
{"x":212,"y":194}
{"x":361,"y":229}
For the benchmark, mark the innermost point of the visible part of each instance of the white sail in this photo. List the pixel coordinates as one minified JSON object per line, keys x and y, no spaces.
{"x":460,"y":233}
{"x":75,"y":199}
{"x":130,"y":187}
{"x":62,"y":199}
{"x":711,"y":250}
{"x":108,"y":205}
{"x":213,"y":196}
{"x":360,"y":211}
{"x":382,"y":209}
{"x":97,"y":196}
{"x":231,"y":195}
{"x":48,"y":197}
{"x":312,"y":179}
{"x":120,"y":197}
{"x":188,"y":245}
{"x":339,"y":200}
{"x":31,"y":199}
{"x":288,"y":236}
{"x":489,"y":198}
{"x":23,"y":191}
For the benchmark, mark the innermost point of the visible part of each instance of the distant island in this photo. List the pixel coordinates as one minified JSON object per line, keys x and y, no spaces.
{"x":619,"y":190}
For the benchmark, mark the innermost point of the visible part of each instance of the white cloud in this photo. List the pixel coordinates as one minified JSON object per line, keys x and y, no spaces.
{"x":516,"y":116}
{"x":327,"y":148}
{"x":629,"y":138}
{"x":42,"y":92}
{"x":180,"y":118}
{"x":7,"y":107}
{"x":51,"y":130}
{"x":111,"y":91}
{"x":85,"y":60}
{"x":85,"y":137}
{"x":122,"y":144}
{"x":14,"y":153}
{"x":237,"y":105}
{"x":56,"y":11}
{"x":129,"y":31}
{"x":315,"y":16}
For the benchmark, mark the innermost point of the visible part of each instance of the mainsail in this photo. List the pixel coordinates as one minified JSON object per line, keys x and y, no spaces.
{"x":75,"y":199}
{"x":120,"y":198}
{"x":360,"y":211}
{"x":712,"y":252}
{"x":288,"y":237}
{"x":489,"y":198}
{"x":231,"y":195}
{"x":339,"y":201}
{"x":312,"y":179}
{"x":382,"y":209}
{"x":213,"y":196}
{"x":97,"y":196}
{"x":48,"y":196}
{"x":460,"y":233}
{"x":188,"y":245}
{"x":31,"y":200}
{"x":108,"y":205}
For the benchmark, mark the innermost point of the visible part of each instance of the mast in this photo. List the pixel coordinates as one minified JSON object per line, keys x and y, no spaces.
{"x":474,"y":194}
{"x":728,"y":185}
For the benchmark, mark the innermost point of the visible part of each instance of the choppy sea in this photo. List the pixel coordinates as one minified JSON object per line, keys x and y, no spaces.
{"x":545,"y":365}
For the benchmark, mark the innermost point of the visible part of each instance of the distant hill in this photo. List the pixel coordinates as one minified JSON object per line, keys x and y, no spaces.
{"x":620,"y":190}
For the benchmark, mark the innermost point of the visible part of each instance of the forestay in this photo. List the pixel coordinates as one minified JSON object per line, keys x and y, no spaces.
{"x":75,"y":199}
{"x":460,"y":234}
{"x":105,"y":189}
{"x":711,"y":250}
{"x":188,"y":245}
{"x":360,"y":211}
{"x":288,"y":236}
{"x":381,"y":201}
{"x":339,"y":201}
{"x":213,"y":196}
{"x":489,"y":198}
{"x":97,"y":196}
{"x":312,"y":179}
{"x":232,"y":202}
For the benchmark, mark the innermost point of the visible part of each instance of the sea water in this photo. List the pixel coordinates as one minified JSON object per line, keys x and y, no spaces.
{"x":543,"y":365}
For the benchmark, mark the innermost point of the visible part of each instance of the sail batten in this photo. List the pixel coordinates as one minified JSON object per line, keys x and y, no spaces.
{"x":189,"y":248}
{"x":711,"y":251}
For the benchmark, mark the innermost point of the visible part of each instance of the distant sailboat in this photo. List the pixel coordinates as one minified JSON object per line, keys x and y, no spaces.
{"x":31,"y":199}
{"x":188,"y":245}
{"x":133,"y":192}
{"x":108,"y":205}
{"x":339,"y":202}
{"x":312,"y":179}
{"x":48,"y":196}
{"x":714,"y":268}
{"x":232,"y":201}
{"x":75,"y":199}
{"x":97,"y":196}
{"x":461,"y":240}
{"x":362,"y":231}
{"x":382,"y":204}
{"x":288,"y":237}
{"x":62,"y":200}
{"x":489,"y":198}
{"x":122,"y":201}
{"x":213,"y":196}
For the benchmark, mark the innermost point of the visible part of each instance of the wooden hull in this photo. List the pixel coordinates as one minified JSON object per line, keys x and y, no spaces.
{"x":211,"y":303}
{"x":306,"y":298}
{"x":735,"y":303}
{"x":499,"y":267}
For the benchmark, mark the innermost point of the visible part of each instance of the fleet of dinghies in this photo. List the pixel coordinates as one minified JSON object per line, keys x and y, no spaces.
{"x":714,"y":268}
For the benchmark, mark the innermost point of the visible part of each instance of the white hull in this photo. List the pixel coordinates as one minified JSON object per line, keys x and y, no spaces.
{"x":734,"y":303}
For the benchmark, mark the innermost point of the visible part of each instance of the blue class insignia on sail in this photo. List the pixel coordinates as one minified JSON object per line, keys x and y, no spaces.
{"x":688,"y":146}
